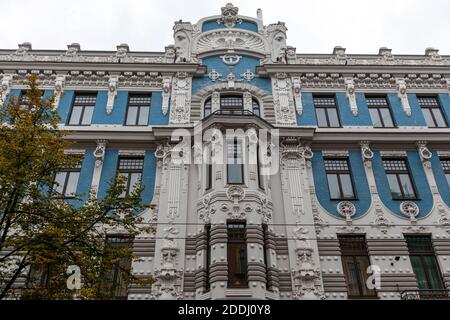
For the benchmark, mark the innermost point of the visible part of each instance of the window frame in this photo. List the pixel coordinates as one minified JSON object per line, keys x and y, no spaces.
{"x":129,"y":172}
{"x":446,"y":170}
{"x":430,"y":108}
{"x":326,"y":107}
{"x":242,"y":243}
{"x":84,"y":106}
{"x":67,"y":171}
{"x":236,"y":143}
{"x":338,"y":174}
{"x":377,"y":108}
{"x":397,"y":173}
{"x":208,"y":257}
{"x":139,"y":107}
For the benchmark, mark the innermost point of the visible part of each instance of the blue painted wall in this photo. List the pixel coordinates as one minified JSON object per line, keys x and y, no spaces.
{"x":156,"y":115}
{"x":245,"y":24}
{"x":439,"y":176}
{"x":149,"y":176}
{"x":108,"y":171}
{"x":65,"y":104}
{"x":444,"y":100}
{"x":425,"y":198}
{"x":363,"y":118}
{"x":117,"y":116}
{"x":401,"y":119}
{"x":346,"y":116}
{"x":215,"y":62}
{"x":308,"y":116}
{"x":85,"y":179}
{"x":361,"y":186}
{"x":47,"y":94}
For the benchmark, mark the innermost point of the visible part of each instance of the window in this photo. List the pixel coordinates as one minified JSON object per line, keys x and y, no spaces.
{"x":355,"y":261}
{"x":209,"y":169}
{"x":207,"y":108}
{"x":258,"y":168}
{"x":265,"y":248}
{"x":326,"y":112}
{"x":445,"y":163}
{"x":399,"y":179}
{"x":66,"y":182}
{"x":424,"y":263}
{"x":231,"y":104}
{"x":131,"y":169}
{"x":208,"y":256}
{"x":235,"y":166}
{"x":40,"y":276}
{"x":432,"y":112}
{"x":339,"y":179}
{"x":255,"y":107}
{"x":138,"y":109}
{"x":83,"y":109}
{"x":380,"y":113}
{"x":116,"y":271}
{"x":237,"y":255}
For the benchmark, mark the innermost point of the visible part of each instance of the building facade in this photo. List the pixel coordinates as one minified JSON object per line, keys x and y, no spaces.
{"x":349,"y":194}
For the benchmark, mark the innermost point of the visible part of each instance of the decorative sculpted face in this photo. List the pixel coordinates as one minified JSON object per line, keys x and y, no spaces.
{"x":182,"y":45}
{"x":278,"y":45}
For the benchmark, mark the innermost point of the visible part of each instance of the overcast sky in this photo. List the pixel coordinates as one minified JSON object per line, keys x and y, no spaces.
{"x":314,"y":26}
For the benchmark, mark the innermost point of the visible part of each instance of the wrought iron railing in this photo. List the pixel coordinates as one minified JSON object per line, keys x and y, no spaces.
{"x":425,"y":294}
{"x":233,"y":113}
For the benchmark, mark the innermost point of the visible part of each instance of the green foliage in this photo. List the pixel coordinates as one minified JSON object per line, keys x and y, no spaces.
{"x":40,"y":229}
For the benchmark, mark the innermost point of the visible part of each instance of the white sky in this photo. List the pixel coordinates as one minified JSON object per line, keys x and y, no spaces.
{"x":314,"y":26}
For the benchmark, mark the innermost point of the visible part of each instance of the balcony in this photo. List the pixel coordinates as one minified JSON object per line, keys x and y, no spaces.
{"x":440,"y":294}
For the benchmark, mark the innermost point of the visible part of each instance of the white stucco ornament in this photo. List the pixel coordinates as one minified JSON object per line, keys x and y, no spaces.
{"x":346,"y":209}
{"x":410,"y":210}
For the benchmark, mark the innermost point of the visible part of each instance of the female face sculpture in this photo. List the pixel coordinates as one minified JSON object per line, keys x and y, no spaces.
{"x":182,"y":46}
{"x":278,"y":46}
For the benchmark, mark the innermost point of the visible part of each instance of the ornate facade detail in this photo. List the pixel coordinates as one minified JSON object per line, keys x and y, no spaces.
{"x":166,"y":87}
{"x":264,"y":209}
{"x":346,"y":209}
{"x":6,"y":87}
{"x":73,"y":49}
{"x":235,"y":194}
{"x":248,"y":102}
{"x":297,"y":88}
{"x":122,"y":50}
{"x":401,"y":88}
{"x":99,"y":152}
{"x":112,"y":92}
{"x":236,"y":39}
{"x":183,"y":34}
{"x":367,"y":153}
{"x":180,"y":107}
{"x":410,"y":210}
{"x":214,"y":75}
{"x":229,"y":16}
{"x":215,"y":101}
{"x":276,"y":35}
{"x":424,"y":153}
{"x":60,"y":82}
{"x":350,"y":89}
{"x":247,"y":75}
{"x":283,"y":100}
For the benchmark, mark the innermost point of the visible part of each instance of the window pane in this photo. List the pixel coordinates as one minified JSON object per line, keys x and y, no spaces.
{"x":132,"y":115}
{"x":333,"y":117}
{"x":75,"y":116}
{"x":394,"y":186}
{"x":321,"y":117}
{"x":333,"y":186}
{"x":235,"y":173}
{"x":72,"y":183}
{"x":347,"y":188}
{"x":87,"y":116}
{"x":407,"y":186}
{"x":448,"y":178}
{"x":428,"y":118}
{"x":376,"y":121}
{"x":434,"y":274}
{"x":363,"y":263}
{"x":419,"y":270}
{"x":387,"y":119}
{"x":60,"y":179}
{"x":143,"y":116}
{"x":440,"y":121}
{"x":121,"y":174}
{"x":134,"y":178}
{"x":351,"y":275}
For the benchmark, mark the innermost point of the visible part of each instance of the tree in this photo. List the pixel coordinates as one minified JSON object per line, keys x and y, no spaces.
{"x":39,"y":230}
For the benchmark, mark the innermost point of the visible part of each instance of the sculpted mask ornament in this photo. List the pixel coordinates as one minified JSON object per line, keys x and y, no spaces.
{"x":229,"y":15}
{"x":99,"y":152}
{"x":401,"y":87}
{"x":182,"y":38}
{"x":425,"y":153}
{"x":277,"y":39}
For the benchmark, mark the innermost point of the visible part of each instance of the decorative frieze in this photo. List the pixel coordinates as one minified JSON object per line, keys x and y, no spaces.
{"x":180,"y":107}
{"x":112,"y":92}
{"x":401,"y":88}
{"x":283,"y":100}
{"x":297,"y":88}
{"x":350,"y":90}
{"x":166,"y":88}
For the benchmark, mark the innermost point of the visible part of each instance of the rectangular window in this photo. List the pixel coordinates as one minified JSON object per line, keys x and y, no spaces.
{"x":265,"y":249}
{"x":258,"y":168}
{"x":326,"y":112}
{"x":208,"y":256}
{"x":138,"y":109}
{"x":424,"y":263}
{"x":66,"y":181}
{"x":340,"y":183}
{"x":355,"y":261}
{"x":235,"y":165}
{"x":237,"y":255}
{"x":432,"y":112}
{"x":380,"y":112}
{"x":131,"y":168}
{"x":399,"y":179}
{"x":445,"y":163}
{"x":209,"y":170}
{"x":116,"y":273}
{"x":231,"y":104}
{"x":82,"y":109}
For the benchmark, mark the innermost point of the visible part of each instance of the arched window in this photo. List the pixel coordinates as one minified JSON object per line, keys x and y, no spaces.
{"x":255,"y":107}
{"x":207,"y":107}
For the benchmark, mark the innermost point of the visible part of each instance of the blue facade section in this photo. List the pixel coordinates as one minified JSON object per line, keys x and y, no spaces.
{"x":65,"y":103}
{"x":425,"y":198}
{"x":117,"y":116}
{"x":156,"y":115}
{"x":363,"y":117}
{"x":246,"y":63}
{"x":363,"y":201}
{"x":400,"y":117}
{"x":444,"y":100}
{"x":47,"y":94}
{"x":12,"y":93}
{"x":85,"y":179}
{"x":308,"y":116}
{"x":346,"y":116}
{"x":149,"y":176}
{"x":108,"y":171}
{"x":245,"y":24}
{"x":439,"y":176}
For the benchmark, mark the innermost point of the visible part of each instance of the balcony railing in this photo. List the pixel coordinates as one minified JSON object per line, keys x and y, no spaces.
{"x":232,"y":113}
{"x":440,"y":294}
